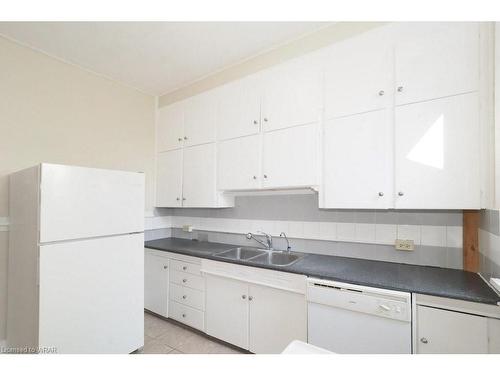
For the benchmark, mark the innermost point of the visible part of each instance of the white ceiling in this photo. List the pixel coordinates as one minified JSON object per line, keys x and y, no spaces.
{"x":155,"y":57}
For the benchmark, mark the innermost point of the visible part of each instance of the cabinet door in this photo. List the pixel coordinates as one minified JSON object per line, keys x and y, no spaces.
{"x":170,"y":127}
{"x":357,"y":161}
{"x":277,"y":317}
{"x":226,"y":312}
{"x":358,"y":75}
{"x":169,"y":179}
{"x":290,"y":157}
{"x":238,"y":165}
{"x":448,"y":332}
{"x":238,"y":109}
{"x":437,"y":148}
{"x":292,"y":93}
{"x":199,"y":119}
{"x":156,"y":283}
{"x":198,"y":188}
{"x":436,"y":59}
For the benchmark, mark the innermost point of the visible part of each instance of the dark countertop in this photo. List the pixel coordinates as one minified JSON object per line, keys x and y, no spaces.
{"x":435,"y":281}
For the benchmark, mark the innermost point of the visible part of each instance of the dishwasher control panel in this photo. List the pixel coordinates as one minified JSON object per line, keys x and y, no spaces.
{"x":381,"y":302}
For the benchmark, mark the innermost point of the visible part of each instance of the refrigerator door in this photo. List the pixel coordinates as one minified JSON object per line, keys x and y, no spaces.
{"x":92,"y":295}
{"x":78,"y":202}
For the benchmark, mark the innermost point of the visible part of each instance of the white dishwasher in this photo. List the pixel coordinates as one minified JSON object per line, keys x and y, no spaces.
{"x":346,"y":318}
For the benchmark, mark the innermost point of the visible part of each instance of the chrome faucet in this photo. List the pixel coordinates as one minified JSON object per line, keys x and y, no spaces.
{"x":288,"y":248}
{"x":269,"y":239}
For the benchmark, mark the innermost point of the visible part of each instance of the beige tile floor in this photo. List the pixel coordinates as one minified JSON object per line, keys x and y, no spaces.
{"x":166,"y":337}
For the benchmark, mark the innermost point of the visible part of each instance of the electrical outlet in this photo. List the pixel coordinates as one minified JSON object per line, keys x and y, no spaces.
{"x":405,"y":245}
{"x":187,"y":228}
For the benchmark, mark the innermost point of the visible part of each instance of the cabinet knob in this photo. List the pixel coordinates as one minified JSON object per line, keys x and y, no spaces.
{"x":250,"y":298}
{"x":165,"y":267}
{"x":183,"y":315}
{"x":381,"y":93}
{"x":400,"y":193}
{"x":423,"y":340}
{"x":255,"y":122}
{"x":184,"y":296}
{"x":179,"y":139}
{"x":400,"y":88}
{"x":265,"y":119}
{"x":244,"y":296}
{"x":380,"y":193}
{"x":178,"y":198}
{"x":265,"y":176}
{"x":185,"y":138}
{"x":184,"y":268}
{"x":184,"y":280}
{"x":254,"y":177}
{"x":183,"y":198}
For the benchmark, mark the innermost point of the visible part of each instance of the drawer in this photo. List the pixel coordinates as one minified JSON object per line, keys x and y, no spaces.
{"x":187,"y":315}
{"x":186,"y":279}
{"x":187,"y":296}
{"x":178,"y":265}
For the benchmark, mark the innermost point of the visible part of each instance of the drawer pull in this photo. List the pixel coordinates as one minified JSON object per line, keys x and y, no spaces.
{"x":184,"y":280}
{"x":184,"y":268}
{"x":184,"y":296}
{"x":423,"y":340}
{"x":250,"y":298}
{"x":244,"y":296}
{"x":165,"y":267}
{"x":183,"y":315}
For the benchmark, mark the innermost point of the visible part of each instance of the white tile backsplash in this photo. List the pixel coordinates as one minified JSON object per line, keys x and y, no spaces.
{"x":454,"y":236}
{"x":386,"y":233}
{"x":296,"y":229}
{"x":433,"y":235}
{"x":311,"y":230}
{"x":328,"y":231}
{"x":409,"y":232}
{"x":365,"y":232}
{"x":346,"y":231}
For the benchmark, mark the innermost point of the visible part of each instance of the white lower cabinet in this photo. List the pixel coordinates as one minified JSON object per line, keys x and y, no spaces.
{"x":227,"y":310}
{"x":447,"y":326}
{"x":174,"y":287}
{"x":442,"y":331}
{"x":260,"y":318}
{"x":276,"y":318}
{"x":156,"y":270}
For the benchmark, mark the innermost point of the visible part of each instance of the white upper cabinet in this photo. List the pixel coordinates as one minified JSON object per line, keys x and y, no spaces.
{"x":357,"y":165}
{"x":437,"y":151}
{"x":169,"y":179}
{"x":436,"y":59}
{"x":238,"y":108}
{"x":290,"y":157}
{"x":292,"y":93}
{"x":170,"y":127}
{"x":199,"y":176}
{"x":358,"y":74}
{"x":199,"y":119}
{"x":239,"y":163}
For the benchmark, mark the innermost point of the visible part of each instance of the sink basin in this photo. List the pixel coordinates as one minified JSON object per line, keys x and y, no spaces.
{"x":241,"y":253}
{"x":276,"y":258}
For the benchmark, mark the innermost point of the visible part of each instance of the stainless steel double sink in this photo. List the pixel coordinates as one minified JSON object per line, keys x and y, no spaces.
{"x":259,"y":256}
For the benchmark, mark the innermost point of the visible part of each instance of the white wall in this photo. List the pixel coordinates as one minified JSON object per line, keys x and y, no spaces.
{"x":55,"y":112}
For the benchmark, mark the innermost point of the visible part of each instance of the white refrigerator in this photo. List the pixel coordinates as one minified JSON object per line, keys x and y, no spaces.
{"x":76,"y":260}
